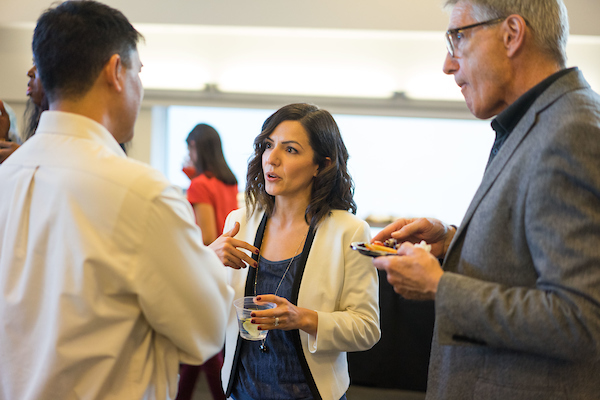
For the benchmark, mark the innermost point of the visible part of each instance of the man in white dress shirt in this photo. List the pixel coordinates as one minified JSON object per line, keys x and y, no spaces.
{"x":105,"y":285}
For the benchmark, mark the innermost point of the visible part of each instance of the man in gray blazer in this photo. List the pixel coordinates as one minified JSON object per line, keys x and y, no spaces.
{"x":517,"y":301}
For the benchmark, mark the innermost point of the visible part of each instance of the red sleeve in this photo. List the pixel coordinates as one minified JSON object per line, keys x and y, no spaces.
{"x":199,"y":191}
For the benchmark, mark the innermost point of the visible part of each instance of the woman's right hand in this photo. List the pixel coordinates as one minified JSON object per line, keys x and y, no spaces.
{"x":228,"y":250}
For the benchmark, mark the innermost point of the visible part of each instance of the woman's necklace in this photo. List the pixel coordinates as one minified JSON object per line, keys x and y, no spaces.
{"x":263,"y":346}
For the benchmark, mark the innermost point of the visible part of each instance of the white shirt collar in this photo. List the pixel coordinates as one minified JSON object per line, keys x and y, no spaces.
{"x":65,"y":123}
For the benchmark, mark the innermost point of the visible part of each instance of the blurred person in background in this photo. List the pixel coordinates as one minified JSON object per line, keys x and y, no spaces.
{"x":213,"y":191}
{"x":213,"y":195}
{"x":36,"y":104}
{"x":9,"y":132}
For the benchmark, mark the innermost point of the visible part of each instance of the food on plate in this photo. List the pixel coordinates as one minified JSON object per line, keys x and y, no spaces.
{"x":424,"y":246}
{"x":391,"y":245}
{"x":379,"y":247}
{"x":388,"y":248}
{"x":391,"y":242}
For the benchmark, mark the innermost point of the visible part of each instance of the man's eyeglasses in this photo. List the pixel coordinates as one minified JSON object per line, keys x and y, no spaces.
{"x":453,"y":36}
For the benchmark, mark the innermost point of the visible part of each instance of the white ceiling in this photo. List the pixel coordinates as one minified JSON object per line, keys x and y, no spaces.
{"x":344,"y":48}
{"x":411,"y":15}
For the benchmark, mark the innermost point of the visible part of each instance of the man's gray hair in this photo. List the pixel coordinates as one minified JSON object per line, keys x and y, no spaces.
{"x":547,"y":19}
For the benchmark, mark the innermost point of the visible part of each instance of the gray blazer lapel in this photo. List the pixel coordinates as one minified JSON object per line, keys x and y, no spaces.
{"x":494,"y":169}
{"x":570,"y":82}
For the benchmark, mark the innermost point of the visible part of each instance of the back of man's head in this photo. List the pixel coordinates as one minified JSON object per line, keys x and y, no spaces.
{"x":547,"y":19}
{"x":74,"y":40}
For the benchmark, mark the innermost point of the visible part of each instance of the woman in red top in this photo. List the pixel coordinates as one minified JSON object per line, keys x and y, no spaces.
{"x":213,"y":194}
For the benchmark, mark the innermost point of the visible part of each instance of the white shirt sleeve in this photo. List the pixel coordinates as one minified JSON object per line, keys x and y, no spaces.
{"x":181,"y":283}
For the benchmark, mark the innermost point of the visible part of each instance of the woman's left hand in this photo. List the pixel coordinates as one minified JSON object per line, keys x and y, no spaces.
{"x":285,"y":316}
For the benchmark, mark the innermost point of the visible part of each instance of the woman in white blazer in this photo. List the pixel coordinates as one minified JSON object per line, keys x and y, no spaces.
{"x":298,"y":198}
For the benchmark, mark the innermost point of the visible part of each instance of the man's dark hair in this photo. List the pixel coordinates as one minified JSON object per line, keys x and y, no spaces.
{"x":74,"y":40}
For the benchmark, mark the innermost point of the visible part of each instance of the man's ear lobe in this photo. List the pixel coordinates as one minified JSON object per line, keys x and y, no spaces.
{"x":515,"y":29}
{"x":113,"y":71}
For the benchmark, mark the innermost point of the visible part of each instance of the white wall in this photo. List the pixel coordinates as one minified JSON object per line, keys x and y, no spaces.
{"x":351,"y":42}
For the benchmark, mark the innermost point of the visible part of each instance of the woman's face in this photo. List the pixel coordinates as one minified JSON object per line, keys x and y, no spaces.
{"x":34,"y":86}
{"x":193,"y":155}
{"x":288,"y":161}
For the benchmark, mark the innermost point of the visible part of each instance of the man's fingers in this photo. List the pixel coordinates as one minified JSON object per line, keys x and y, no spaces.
{"x":418,"y":227}
{"x":386,"y":232}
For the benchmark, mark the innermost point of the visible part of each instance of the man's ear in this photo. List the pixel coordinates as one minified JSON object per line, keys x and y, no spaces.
{"x":515,"y":29}
{"x":113,"y":72}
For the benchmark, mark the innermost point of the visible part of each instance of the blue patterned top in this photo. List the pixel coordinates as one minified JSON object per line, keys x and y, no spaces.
{"x":276,"y":374}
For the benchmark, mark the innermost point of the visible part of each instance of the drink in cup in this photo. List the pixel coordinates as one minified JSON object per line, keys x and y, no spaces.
{"x":244,"y":307}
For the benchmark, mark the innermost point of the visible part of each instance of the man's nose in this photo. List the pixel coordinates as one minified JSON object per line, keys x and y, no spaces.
{"x":450,"y":64}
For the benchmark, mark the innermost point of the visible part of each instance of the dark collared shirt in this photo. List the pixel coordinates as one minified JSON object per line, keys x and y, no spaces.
{"x":508,"y":119}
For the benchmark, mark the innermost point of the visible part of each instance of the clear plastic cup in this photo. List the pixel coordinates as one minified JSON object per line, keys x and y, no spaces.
{"x":244,"y":308}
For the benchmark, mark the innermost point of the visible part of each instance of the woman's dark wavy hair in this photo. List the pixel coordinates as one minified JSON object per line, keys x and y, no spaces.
{"x":333,"y":188}
{"x":209,"y":153}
